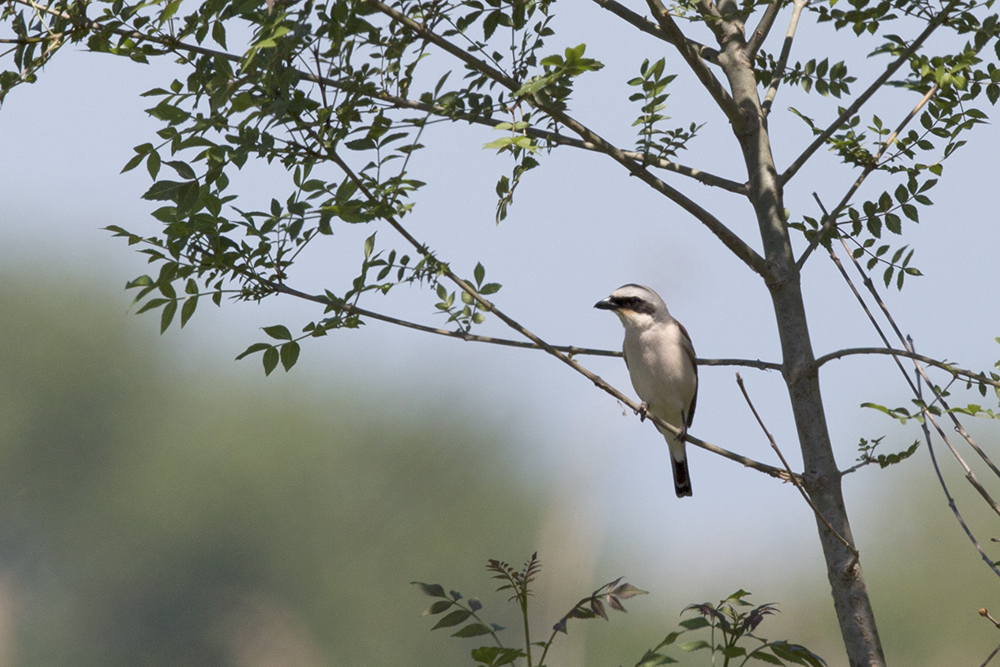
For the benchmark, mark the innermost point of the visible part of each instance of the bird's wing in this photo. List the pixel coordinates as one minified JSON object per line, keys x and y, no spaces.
{"x":689,"y":351}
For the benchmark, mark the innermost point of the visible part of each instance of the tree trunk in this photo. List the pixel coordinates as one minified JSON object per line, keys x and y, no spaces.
{"x":821,"y":474}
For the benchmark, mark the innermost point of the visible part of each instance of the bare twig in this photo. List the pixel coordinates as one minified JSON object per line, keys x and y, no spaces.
{"x":957,"y":372}
{"x":944,"y":486}
{"x":986,"y":614}
{"x":697,"y":64}
{"x":830,"y":219}
{"x":570,"y":350}
{"x":763,"y":28}
{"x":786,"y":49}
{"x":876,"y":85}
{"x":647,"y":26}
{"x":796,"y":479}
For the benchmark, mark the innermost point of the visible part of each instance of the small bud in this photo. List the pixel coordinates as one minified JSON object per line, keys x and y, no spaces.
{"x":983,"y":612}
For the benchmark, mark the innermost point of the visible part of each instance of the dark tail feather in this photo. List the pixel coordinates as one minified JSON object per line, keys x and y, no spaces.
{"x":682,"y":483}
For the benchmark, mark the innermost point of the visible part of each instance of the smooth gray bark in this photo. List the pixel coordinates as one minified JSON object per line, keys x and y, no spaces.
{"x":822,"y":477}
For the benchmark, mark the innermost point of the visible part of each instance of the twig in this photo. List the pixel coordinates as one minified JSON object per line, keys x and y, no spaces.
{"x":957,"y":372}
{"x":876,"y":85}
{"x":990,"y":656}
{"x":632,"y":161}
{"x":986,"y":614}
{"x":830,"y":219}
{"x":969,"y":475}
{"x":786,"y":49}
{"x":763,"y":29}
{"x":944,"y":486}
{"x":737,"y":245}
{"x":795,"y":478}
{"x":570,"y":350}
{"x":697,"y":64}
{"x":647,"y":26}
{"x":955,"y":420}
{"x":513,"y":324}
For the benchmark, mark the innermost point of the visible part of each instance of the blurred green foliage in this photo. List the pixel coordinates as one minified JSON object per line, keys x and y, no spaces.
{"x":151,"y":516}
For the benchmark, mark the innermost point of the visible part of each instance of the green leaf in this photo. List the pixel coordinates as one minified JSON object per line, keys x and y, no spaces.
{"x":187,"y":310}
{"x":472,"y":630}
{"x":432,"y":590}
{"x":167,"y":316}
{"x":151,"y":304}
{"x":479,"y":273}
{"x":289,"y":355}
{"x":695,"y":623}
{"x":279,"y":332}
{"x":454,"y":618}
{"x":766,"y":657}
{"x":256,"y":347}
{"x":270,"y":359}
{"x":438,"y":607}
{"x":696,"y":645}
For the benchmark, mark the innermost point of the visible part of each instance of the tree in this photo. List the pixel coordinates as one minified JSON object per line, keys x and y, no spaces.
{"x":350,"y":87}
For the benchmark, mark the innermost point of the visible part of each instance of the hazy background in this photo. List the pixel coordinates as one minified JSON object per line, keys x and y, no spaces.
{"x":162,"y":504}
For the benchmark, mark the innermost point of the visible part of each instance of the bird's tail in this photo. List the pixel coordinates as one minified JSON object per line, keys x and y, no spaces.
{"x":682,"y":482}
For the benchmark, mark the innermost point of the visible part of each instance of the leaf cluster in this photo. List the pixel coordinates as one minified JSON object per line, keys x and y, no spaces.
{"x":518,"y":583}
{"x":731,"y":624}
{"x":653,"y":140}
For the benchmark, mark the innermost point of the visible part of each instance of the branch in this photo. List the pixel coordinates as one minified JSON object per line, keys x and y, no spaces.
{"x":933,"y":25}
{"x":570,"y":350}
{"x":732,"y":241}
{"x":944,"y":486}
{"x":957,"y":372}
{"x":830,"y":219}
{"x":969,"y":475}
{"x":714,"y":87}
{"x":562,"y":140}
{"x":647,"y":26}
{"x":786,"y":49}
{"x":762,"y":30}
{"x":795,"y":480}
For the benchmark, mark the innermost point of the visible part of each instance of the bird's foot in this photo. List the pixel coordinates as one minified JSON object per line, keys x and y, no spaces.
{"x":683,"y":434}
{"x":643,"y":411}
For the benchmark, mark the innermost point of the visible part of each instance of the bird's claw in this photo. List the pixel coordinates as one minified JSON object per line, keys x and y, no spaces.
{"x":643,"y":411}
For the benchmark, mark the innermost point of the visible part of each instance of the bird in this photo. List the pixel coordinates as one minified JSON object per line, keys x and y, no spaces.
{"x":662,"y":365}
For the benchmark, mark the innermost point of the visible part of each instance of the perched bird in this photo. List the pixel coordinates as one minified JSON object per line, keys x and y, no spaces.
{"x":661,"y":363}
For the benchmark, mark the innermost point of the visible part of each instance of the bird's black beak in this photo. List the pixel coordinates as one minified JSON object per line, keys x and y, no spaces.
{"x":605,"y":304}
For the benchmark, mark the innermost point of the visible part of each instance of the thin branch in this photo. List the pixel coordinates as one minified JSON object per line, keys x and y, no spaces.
{"x":944,"y":404}
{"x":488,"y":306}
{"x":795,"y":479}
{"x":876,"y":85}
{"x":562,"y":140}
{"x":944,"y":486}
{"x":570,"y":350}
{"x":990,"y":657}
{"x":737,"y":245}
{"x":763,"y":29}
{"x":697,"y":64}
{"x":830,"y":219}
{"x":958,"y":372}
{"x":591,"y":141}
{"x":969,"y":475}
{"x":786,"y":49}
{"x":647,"y":26}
